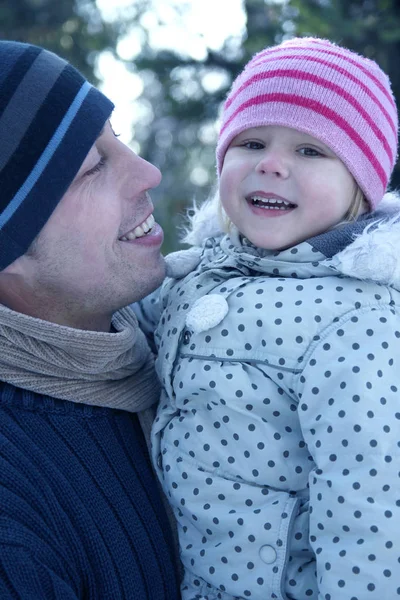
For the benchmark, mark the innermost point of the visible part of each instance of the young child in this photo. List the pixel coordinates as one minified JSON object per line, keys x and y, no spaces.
{"x":277,"y":436}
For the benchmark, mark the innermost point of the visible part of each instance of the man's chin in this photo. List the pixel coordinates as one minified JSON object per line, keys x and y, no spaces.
{"x":149,"y":282}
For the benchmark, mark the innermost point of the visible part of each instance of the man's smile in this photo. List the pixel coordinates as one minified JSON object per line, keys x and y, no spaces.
{"x":140,"y":230}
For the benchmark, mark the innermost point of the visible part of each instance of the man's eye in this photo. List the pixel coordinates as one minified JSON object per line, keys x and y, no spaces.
{"x":97,"y":167}
{"x":308,"y":151}
{"x":115,"y":134}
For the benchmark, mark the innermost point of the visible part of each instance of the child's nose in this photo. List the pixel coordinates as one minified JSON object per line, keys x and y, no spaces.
{"x":273,"y":163}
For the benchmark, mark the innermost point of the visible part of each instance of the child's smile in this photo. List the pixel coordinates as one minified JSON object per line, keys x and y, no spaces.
{"x":272,"y":203}
{"x":280,"y":186}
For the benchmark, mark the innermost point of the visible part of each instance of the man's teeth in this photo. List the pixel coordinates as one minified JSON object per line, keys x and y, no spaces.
{"x":140,"y":230}
{"x":271,"y":203}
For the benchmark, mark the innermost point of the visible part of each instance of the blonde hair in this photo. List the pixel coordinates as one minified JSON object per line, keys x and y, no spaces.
{"x":224,"y":220}
{"x":358,"y":206}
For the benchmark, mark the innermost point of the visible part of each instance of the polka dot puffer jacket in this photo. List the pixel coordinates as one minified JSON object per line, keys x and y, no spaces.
{"x":278,"y":432}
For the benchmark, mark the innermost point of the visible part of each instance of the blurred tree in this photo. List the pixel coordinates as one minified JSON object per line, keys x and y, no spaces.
{"x":176,"y":119}
{"x":73,"y":29}
{"x":182,"y":96}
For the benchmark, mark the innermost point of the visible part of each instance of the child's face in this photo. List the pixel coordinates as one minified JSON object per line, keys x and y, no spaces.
{"x":280,"y":186}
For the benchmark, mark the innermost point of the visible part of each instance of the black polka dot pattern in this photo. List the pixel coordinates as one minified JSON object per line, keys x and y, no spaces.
{"x":277,"y":436}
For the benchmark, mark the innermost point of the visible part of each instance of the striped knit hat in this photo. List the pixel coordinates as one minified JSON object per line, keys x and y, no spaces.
{"x":50,"y":116}
{"x":329,"y":92}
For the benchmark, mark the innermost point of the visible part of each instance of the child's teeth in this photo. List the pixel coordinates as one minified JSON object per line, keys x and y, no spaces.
{"x":270,"y":203}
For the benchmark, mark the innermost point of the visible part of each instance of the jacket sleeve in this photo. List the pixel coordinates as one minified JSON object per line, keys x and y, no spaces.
{"x":349,"y":411}
{"x":148,"y":313}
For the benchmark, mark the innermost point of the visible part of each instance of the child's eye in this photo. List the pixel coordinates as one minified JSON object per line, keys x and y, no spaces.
{"x":253,"y":145}
{"x":97,"y":167}
{"x":309,"y":151}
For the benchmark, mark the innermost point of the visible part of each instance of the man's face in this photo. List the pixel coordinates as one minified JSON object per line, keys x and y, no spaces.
{"x":93,"y":252}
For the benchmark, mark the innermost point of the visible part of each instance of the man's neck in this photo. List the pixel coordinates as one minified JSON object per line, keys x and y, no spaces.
{"x":16,"y":295}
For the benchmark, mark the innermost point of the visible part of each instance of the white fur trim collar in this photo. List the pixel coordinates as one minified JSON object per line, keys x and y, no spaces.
{"x":374,"y":255}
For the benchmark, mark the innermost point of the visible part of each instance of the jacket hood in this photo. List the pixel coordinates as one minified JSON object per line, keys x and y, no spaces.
{"x":367,"y":250}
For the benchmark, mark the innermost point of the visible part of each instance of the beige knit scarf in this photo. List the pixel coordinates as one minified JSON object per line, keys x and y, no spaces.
{"x":103,"y":369}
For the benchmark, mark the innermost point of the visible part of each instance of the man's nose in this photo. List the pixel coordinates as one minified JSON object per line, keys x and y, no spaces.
{"x":136,"y":170}
{"x":148,"y":173}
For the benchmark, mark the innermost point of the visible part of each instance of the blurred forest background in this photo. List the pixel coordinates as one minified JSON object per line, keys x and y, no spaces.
{"x":174,"y":119}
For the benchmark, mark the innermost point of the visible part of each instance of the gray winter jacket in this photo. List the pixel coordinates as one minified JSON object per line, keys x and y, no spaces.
{"x":278,"y":432}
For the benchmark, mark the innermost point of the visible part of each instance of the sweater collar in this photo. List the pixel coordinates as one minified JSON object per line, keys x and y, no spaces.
{"x":102,"y":369}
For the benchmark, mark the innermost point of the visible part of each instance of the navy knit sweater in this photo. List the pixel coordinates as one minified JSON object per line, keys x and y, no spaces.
{"x":80,"y":514}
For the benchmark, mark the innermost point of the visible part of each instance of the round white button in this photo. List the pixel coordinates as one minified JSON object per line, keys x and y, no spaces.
{"x":268,"y":554}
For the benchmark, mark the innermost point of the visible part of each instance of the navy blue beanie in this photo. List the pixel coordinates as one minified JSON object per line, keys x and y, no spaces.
{"x":50,"y":117}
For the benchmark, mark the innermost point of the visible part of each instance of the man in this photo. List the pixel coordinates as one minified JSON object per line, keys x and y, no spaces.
{"x":81,"y":515}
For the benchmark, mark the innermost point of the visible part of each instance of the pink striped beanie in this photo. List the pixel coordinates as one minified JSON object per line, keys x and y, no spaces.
{"x":329,"y":92}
